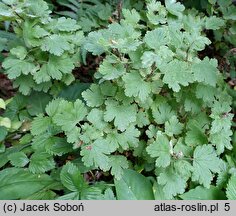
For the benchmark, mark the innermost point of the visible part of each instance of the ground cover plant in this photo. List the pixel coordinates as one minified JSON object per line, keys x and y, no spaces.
{"x":127,"y":104}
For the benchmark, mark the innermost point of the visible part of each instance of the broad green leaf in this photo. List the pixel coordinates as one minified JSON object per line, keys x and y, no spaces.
{"x":195,"y":134}
{"x":39,"y":8}
{"x":93,"y":96}
{"x":58,"y":146}
{"x":37,"y":102}
{"x":160,"y":149}
{"x":173,"y":126}
{"x":172,"y":182}
{"x":42,"y":195}
{"x":41,"y":162}
{"x":96,"y":117}
{"x":214,"y":23}
{"x":73,"y":91}
{"x":40,"y":124}
{"x":201,"y":193}
{"x":183,"y":167}
{"x":3,"y":133}
{"x":2,"y":104}
{"x":18,"y":159}
{"x":5,"y":11}
{"x":5,"y":122}
{"x":92,"y":43}
{"x":71,"y":178}
{"x":96,"y":154}
{"x":19,"y":51}
{"x":159,"y":192}
{"x":177,"y":73}
{"x":222,"y":140}
{"x":39,"y":32}
{"x":17,"y":67}
{"x":25,"y":84}
{"x":175,"y":8}
{"x":118,"y":164}
{"x":69,"y":114}
{"x":55,"y":44}
{"x":206,"y":92}
{"x":205,"y":163}
{"x":66,"y":24}
{"x":156,"y":38}
{"x":162,"y":112}
{"x":206,"y":71}
{"x":122,"y":115}
{"x":131,"y":16}
{"x":231,"y":189}
{"x":128,"y":138}
{"x":135,"y":86}
{"x":133,"y":186}
{"x":111,"y":70}
{"x":55,"y":69}
{"x":16,"y":183}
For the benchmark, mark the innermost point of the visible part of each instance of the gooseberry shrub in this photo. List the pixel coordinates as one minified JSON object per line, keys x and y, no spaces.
{"x":155,"y":107}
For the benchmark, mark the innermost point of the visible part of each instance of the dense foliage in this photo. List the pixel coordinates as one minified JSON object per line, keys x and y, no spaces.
{"x":153,"y":121}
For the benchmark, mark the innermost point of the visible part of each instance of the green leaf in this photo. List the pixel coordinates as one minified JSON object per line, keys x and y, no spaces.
{"x":71,"y":178}
{"x":205,"y":163}
{"x":195,"y":134}
{"x":39,"y":32}
{"x":93,"y":96}
{"x":206,"y":93}
{"x":19,"y":51}
{"x":122,"y":115}
{"x":66,"y":24}
{"x":73,"y":91}
{"x":16,"y":67}
{"x":131,"y":16}
{"x":183,"y":167}
{"x":96,"y":118}
{"x":40,"y":124}
{"x":172,"y":182}
{"x":173,"y":126}
{"x":133,"y":186}
{"x":231,"y":189}
{"x":201,"y":193}
{"x":92,"y":43}
{"x":41,"y":162}
{"x":118,"y":164}
{"x":58,"y":146}
{"x":3,"y":133}
{"x":37,"y":102}
{"x":5,"y":11}
{"x":159,"y":192}
{"x":156,"y":38}
{"x":96,"y":154}
{"x":55,"y":69}
{"x":162,"y":112}
{"x":177,"y":73}
{"x":18,"y":159}
{"x":111,"y":70}
{"x":42,"y":195}
{"x":175,"y":8}
{"x":206,"y":71}
{"x":136,"y":86}
{"x":2,"y":104}
{"x":39,"y":8}
{"x":69,"y":114}
{"x":214,"y":23}
{"x":127,"y":139}
{"x":16,"y":183}
{"x":160,"y":149}
{"x":55,"y":44}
